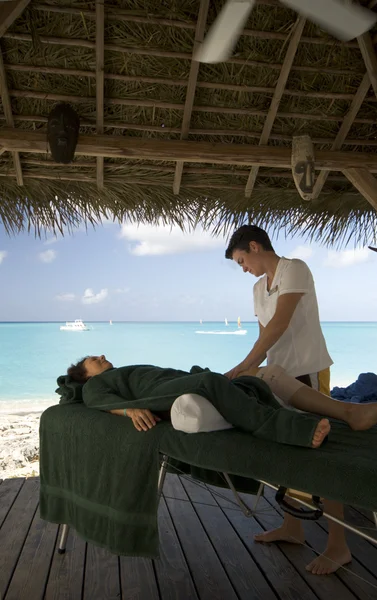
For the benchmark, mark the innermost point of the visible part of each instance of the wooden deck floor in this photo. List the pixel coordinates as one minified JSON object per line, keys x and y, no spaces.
{"x":207,"y":553}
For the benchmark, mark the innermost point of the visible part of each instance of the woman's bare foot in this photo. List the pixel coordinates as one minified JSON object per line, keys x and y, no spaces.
{"x":322,"y":430}
{"x":361,"y":416}
{"x":293,"y":535}
{"x":330,"y":561}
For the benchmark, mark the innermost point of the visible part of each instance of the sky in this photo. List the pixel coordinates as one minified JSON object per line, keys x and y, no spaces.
{"x":148,"y":273}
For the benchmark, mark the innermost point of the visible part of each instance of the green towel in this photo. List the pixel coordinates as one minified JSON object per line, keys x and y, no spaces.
{"x":99,"y":474}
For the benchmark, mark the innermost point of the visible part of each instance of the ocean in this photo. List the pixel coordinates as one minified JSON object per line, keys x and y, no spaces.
{"x":33,"y":355}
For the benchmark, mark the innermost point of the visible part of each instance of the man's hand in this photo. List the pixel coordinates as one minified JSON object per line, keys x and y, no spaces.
{"x":142,"y":418}
{"x":233,"y":373}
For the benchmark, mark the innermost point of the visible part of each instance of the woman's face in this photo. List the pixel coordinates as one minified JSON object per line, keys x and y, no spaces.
{"x":94,"y":365}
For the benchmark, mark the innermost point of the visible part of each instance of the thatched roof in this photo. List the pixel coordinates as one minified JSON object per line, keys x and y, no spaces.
{"x":52,"y":52}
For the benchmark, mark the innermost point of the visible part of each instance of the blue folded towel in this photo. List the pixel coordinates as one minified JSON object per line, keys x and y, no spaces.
{"x":364,"y":389}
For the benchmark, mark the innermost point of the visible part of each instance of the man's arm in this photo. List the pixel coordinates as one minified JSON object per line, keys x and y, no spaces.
{"x":269,"y":335}
{"x":286,"y":306}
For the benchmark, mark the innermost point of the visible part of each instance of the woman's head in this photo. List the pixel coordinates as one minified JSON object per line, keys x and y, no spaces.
{"x":87,"y":367}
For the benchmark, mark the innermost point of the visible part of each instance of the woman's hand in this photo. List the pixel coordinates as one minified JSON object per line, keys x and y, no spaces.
{"x":142,"y":418}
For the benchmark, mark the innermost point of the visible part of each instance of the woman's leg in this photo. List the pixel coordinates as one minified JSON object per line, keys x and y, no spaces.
{"x":247,"y":412}
{"x":301,"y":396}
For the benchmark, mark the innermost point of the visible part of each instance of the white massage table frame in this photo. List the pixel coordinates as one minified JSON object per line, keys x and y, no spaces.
{"x":248,"y":512}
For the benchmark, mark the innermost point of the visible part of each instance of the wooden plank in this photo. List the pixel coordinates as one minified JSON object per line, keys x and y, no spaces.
{"x":276,"y":98}
{"x":14,"y":530}
{"x":349,"y":119}
{"x":7,"y":107}
{"x":173,"y":575}
{"x":9,"y":490}
{"x":67,"y":570}
{"x":196,"y":491}
{"x":365,"y":513}
{"x":171,"y":490}
{"x":9,"y":12}
{"x":100,"y":81}
{"x":246,"y":577}
{"x":211,"y":580}
{"x":30,"y":577}
{"x":138,"y":579}
{"x":193,"y":152}
{"x":363,"y":181}
{"x":282,"y":576}
{"x":191,"y":87}
{"x":102,"y":581}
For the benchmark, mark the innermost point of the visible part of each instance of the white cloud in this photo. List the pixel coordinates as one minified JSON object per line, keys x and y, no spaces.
{"x":48,"y":256}
{"x":347,"y":258}
{"x":66,"y":297}
{"x":3,"y":254}
{"x":153,"y":240}
{"x":90,"y":297}
{"x":303,"y":252}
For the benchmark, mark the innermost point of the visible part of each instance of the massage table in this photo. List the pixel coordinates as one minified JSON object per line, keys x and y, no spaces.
{"x":343,"y":469}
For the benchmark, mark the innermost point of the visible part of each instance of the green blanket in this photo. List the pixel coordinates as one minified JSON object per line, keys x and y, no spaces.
{"x":99,"y":474}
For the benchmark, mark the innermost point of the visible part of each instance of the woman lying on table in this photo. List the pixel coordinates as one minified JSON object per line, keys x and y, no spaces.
{"x":206,"y":401}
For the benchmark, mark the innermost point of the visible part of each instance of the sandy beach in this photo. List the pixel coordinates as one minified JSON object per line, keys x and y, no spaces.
{"x":19,"y":445}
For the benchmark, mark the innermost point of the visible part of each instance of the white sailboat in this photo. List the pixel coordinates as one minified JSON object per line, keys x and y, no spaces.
{"x":226,"y":321}
{"x":239,"y":322}
{"x":111,"y":322}
{"x":201,"y":322}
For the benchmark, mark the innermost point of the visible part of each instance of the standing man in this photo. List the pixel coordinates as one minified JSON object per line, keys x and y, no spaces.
{"x":290,"y":335}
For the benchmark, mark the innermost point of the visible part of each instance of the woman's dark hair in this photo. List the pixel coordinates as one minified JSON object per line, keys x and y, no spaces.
{"x":242,"y":237}
{"x":78,"y":371}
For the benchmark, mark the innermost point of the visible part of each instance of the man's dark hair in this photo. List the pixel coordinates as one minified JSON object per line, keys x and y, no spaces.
{"x":242,"y":237}
{"x":78,"y":371}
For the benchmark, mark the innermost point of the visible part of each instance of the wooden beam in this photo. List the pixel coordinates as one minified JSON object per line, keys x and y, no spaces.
{"x":211,"y":85}
{"x":202,"y":185}
{"x":9,"y":12}
{"x":147,"y":103}
{"x":363,"y":181}
{"x":69,"y":42}
{"x":278,"y":94}
{"x":370,"y":58}
{"x":121,"y":125}
{"x":117,"y":14}
{"x":136,"y":148}
{"x":349,"y":119}
{"x":191,"y":87}
{"x":7,"y":107}
{"x":100,"y":82}
{"x":128,"y":168}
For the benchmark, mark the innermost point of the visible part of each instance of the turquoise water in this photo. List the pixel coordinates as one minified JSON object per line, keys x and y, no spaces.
{"x":32,"y":355}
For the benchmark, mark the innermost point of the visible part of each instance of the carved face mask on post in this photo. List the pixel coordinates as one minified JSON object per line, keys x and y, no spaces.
{"x":63,"y":132}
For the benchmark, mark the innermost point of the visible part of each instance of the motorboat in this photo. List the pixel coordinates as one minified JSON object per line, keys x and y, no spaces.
{"x":76,"y":325}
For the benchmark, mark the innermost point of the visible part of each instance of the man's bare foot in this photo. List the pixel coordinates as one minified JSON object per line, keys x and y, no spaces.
{"x":293,"y":535}
{"x":361,"y":416}
{"x":322,"y":430}
{"x":330,"y":561}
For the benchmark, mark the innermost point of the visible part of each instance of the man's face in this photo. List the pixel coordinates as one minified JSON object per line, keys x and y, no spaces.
{"x":250,"y":262}
{"x":94,"y":365}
